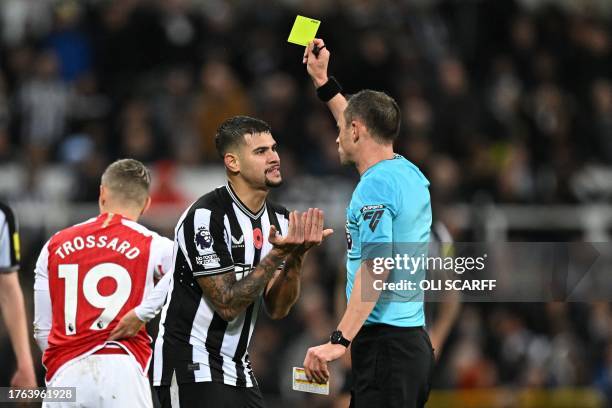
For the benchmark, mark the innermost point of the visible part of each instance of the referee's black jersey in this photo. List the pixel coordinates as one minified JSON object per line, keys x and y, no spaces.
{"x":218,"y":234}
{"x":9,"y":240}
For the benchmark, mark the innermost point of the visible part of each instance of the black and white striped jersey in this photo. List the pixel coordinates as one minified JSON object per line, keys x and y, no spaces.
{"x":217,"y":234}
{"x":9,"y":240}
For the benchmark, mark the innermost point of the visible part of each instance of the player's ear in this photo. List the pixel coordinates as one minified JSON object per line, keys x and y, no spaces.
{"x":232,"y":162}
{"x":355,"y":131}
{"x":102,"y":197}
{"x":146,"y":206}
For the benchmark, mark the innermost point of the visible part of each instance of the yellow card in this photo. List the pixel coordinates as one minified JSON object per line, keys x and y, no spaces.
{"x":301,"y":383}
{"x":304,"y":30}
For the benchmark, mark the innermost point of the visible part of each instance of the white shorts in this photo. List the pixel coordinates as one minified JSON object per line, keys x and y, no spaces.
{"x":103,"y":380}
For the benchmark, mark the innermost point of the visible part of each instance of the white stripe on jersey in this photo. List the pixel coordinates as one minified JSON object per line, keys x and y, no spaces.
{"x":197,"y":338}
{"x":174,"y":393}
{"x":265,"y":228}
{"x":5,"y":242}
{"x":284,"y":223}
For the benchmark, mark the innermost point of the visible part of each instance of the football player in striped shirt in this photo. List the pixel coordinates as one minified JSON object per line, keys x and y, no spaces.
{"x":11,"y":299}
{"x":235,"y":252}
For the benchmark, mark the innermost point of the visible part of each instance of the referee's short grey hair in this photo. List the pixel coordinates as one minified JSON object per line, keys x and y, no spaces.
{"x":129,"y":181}
{"x":378,"y":111}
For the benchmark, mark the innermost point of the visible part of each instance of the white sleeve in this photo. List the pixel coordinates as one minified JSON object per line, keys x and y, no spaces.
{"x":164,"y":248}
{"x":42,"y":299}
{"x":153,"y":303}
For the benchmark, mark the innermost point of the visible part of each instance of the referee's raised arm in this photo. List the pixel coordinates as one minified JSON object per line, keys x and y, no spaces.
{"x":389,"y":211}
{"x":328,"y":89}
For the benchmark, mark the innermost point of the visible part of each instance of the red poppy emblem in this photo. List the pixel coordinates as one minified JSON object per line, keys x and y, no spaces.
{"x":257,"y":238}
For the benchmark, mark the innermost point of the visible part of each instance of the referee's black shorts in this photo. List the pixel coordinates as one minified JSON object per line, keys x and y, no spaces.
{"x":392,"y":367}
{"x":209,"y":394}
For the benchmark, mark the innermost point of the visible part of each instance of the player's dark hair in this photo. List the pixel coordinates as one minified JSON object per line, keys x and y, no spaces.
{"x":129,"y":180}
{"x":231,"y":132}
{"x":378,"y":111}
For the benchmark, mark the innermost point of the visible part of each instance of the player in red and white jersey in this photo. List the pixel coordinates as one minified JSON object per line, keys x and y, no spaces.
{"x":87,"y":278}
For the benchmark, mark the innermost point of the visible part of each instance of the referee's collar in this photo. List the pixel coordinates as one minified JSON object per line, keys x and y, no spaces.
{"x":241,"y":205}
{"x":395,"y":156}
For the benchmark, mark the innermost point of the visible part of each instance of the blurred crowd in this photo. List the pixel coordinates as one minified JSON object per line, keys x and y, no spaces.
{"x":496,"y":96}
{"x":512,"y":99}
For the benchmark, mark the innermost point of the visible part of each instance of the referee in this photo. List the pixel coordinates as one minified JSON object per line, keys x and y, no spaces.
{"x":11,"y":299}
{"x":392,"y":357}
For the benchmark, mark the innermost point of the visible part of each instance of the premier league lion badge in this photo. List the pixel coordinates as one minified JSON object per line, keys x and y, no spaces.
{"x":203,"y":239}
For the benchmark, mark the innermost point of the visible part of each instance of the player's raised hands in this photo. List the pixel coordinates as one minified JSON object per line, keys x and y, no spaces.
{"x":316,"y":65}
{"x":305,"y":231}
{"x":314,"y":230}
{"x":295,"y":234}
{"x":129,"y":326}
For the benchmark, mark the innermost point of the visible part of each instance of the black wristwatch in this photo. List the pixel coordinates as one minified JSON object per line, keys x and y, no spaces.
{"x":337,"y":338}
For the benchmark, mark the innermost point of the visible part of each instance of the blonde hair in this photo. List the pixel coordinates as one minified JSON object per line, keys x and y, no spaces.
{"x":128,"y":180}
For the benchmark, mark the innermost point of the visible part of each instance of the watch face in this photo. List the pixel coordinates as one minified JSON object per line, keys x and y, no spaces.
{"x":336,"y":336}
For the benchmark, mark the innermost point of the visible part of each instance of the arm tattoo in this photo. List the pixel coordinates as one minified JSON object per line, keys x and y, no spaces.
{"x":294,"y":261}
{"x":283,"y":291}
{"x":230,"y":297}
{"x":291,"y":269}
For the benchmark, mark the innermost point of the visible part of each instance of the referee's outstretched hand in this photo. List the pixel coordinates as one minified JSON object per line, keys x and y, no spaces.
{"x":316,"y":65}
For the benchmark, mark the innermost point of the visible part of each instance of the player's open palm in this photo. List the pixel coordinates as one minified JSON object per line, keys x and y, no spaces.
{"x":295,"y":234}
{"x":314,"y":230}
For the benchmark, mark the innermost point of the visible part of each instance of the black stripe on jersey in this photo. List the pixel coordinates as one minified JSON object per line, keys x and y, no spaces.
{"x":177,"y":352}
{"x":242,"y":345}
{"x":214,"y":341}
{"x":246,"y":327}
{"x":218,"y":326}
{"x":238,"y":255}
{"x":257,"y":256}
{"x":12,"y":230}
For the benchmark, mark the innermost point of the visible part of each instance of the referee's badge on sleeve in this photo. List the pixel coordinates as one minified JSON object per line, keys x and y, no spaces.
{"x":373,"y":214}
